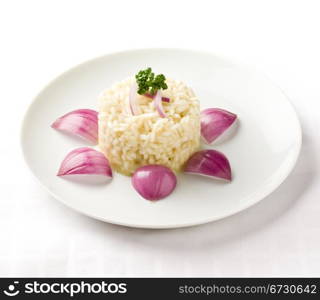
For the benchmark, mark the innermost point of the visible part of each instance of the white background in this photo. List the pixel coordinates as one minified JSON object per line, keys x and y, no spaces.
{"x":40,"y":237}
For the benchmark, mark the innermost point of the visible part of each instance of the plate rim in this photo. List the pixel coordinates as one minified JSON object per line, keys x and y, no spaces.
{"x":236,"y":62}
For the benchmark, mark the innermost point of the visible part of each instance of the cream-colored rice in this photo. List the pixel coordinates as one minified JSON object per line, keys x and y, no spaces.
{"x":133,"y":141}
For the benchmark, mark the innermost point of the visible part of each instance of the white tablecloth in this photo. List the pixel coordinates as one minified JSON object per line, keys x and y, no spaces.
{"x":280,"y":236}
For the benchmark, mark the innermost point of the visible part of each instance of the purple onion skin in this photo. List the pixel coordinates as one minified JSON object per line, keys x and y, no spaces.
{"x":154,"y":182}
{"x":210,"y":163}
{"x":85,"y":160}
{"x":214,"y":122}
{"x":80,"y":122}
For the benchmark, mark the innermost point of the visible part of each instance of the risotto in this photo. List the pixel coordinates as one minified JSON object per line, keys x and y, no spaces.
{"x":148,"y":127}
{"x":131,"y":141}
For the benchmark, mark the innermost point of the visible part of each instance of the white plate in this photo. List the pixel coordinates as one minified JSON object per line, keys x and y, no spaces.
{"x":262,"y":153}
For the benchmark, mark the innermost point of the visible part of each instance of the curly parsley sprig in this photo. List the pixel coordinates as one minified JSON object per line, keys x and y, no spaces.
{"x":149,"y":83}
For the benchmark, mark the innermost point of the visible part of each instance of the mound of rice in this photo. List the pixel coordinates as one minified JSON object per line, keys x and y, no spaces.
{"x":133,"y":141}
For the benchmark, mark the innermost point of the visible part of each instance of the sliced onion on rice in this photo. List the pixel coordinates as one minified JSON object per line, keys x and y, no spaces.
{"x":134,"y":108}
{"x":164,"y":99}
{"x":158,"y":104}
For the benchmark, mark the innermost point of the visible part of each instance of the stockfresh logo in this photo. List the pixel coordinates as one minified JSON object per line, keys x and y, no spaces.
{"x":12,"y":289}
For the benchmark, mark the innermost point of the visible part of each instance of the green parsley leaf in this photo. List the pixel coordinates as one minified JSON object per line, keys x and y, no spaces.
{"x":149,"y":83}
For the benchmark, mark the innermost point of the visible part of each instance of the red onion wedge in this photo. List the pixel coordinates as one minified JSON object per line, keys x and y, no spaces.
{"x":216,"y":123}
{"x":164,"y":99}
{"x":209,"y":163}
{"x":154,"y":182}
{"x":85,"y":160}
{"x":80,"y":122}
{"x":158,"y":104}
{"x":134,"y":108}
